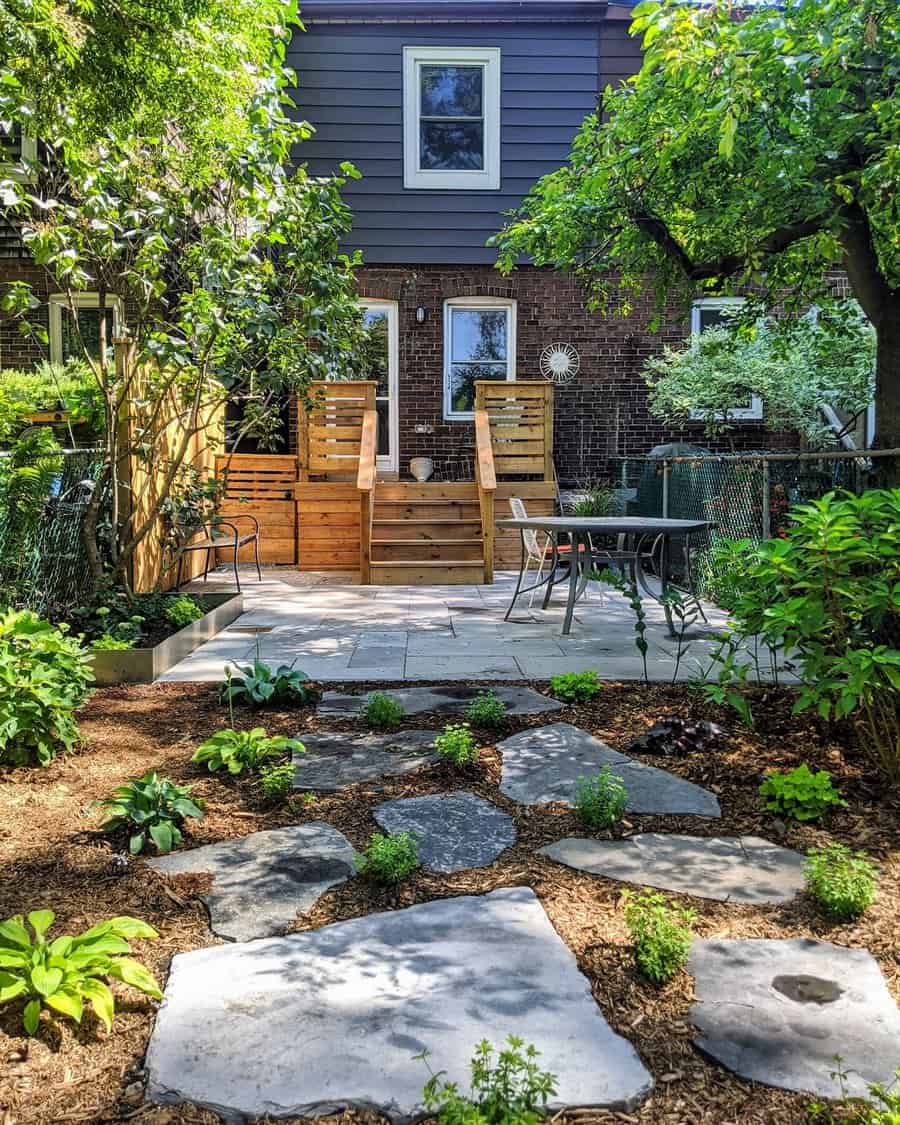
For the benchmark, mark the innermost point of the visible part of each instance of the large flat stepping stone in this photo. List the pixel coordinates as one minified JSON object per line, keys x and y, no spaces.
{"x":336,"y":760}
{"x":312,"y":1022}
{"x":263,"y":881}
{"x":455,"y":831}
{"x":779,"y":1012}
{"x":544,"y":764}
{"x":742,"y":869}
{"x":442,"y":701}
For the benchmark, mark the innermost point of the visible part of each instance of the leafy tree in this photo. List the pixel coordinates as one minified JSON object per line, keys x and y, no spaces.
{"x":759,"y":148}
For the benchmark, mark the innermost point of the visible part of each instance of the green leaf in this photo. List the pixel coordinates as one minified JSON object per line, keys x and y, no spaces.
{"x":11,"y":987}
{"x":68,"y":1003}
{"x":31,"y":1016}
{"x":101,"y":999}
{"x":134,"y":973}
{"x":44,"y":980}
{"x":41,"y":921}
{"x":161,"y":835}
{"x":12,"y":932}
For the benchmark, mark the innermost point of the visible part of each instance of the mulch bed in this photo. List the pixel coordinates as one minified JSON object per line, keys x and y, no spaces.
{"x":52,"y":855}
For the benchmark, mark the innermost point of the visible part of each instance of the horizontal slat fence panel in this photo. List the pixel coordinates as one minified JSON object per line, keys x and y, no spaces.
{"x":327,"y":525}
{"x":539,"y":498}
{"x":262,"y":485}
{"x":521,"y":420}
{"x":330,"y":432}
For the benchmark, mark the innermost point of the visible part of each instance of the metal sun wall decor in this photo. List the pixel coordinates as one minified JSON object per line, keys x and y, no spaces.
{"x":560,"y":363}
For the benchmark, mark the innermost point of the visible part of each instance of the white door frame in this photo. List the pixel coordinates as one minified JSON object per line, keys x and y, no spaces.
{"x":391,"y":463}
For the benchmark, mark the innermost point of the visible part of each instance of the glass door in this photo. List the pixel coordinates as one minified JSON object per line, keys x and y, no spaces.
{"x":382,"y":364}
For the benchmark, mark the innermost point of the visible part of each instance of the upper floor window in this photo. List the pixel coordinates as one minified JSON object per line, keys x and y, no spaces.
{"x":479,"y":343}
{"x":710,"y":312}
{"x":89,"y":334}
{"x":451,"y":118}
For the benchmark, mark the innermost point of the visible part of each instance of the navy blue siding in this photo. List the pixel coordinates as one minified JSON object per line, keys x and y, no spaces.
{"x":351,"y":89}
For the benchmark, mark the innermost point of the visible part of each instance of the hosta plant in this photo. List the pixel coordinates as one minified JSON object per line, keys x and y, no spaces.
{"x":800,"y":793}
{"x":69,"y":972}
{"x":151,"y":808}
{"x":258,"y":685}
{"x":237,"y":750}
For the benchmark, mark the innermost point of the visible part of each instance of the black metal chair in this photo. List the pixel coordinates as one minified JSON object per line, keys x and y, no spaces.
{"x":217,"y":542}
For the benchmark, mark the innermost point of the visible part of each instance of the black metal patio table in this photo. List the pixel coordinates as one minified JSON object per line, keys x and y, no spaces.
{"x":581,"y":555}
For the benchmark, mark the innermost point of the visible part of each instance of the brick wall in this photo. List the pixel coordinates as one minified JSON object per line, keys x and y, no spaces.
{"x":17,"y":350}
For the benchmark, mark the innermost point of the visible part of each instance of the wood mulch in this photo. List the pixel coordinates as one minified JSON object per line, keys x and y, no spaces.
{"x":51,"y":855}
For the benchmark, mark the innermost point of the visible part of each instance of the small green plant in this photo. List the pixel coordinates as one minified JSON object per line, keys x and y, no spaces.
{"x":153,"y":807}
{"x":513,"y":1090}
{"x":600,"y":801}
{"x":627,"y":587}
{"x":576,"y":687}
{"x":382,"y":711}
{"x":68,"y":972}
{"x":457,"y":744}
{"x":389,"y":859}
{"x":183,"y":611}
{"x":661,"y":934}
{"x":237,"y":750}
{"x":597,"y":500}
{"x":110,"y":643}
{"x":882,"y":1107}
{"x":258,"y":684}
{"x":800,"y":793}
{"x":840,"y":880}
{"x":277,"y":781}
{"x":487,"y":709}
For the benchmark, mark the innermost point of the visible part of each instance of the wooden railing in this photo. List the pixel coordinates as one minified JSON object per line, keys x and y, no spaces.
{"x":486,"y":479}
{"x":329,"y":433}
{"x":365,"y":482}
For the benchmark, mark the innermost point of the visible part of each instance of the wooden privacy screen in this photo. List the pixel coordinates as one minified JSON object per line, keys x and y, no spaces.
{"x":261,"y":485}
{"x":330,"y":433}
{"x":327,"y":525}
{"x":521,"y":418}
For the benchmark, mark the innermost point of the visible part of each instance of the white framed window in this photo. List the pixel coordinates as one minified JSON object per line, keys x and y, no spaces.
{"x":451,"y":118}
{"x":68,"y":340}
{"x":479,"y":343}
{"x":382,"y":363}
{"x":709,"y":312}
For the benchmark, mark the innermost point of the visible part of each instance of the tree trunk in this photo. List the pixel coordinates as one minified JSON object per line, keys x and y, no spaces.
{"x":887,"y":395}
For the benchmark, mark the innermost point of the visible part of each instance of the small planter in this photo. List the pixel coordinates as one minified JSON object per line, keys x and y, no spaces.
{"x":144,"y":665}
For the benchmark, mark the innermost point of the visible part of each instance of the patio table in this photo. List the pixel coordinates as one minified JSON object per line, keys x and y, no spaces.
{"x":581,"y":558}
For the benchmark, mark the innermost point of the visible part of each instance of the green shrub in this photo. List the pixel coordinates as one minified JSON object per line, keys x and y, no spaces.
{"x":661,"y":934}
{"x":45,"y":676}
{"x":457,"y":744}
{"x":69,"y":972}
{"x":800,"y":793}
{"x":389,"y":859}
{"x":237,"y":750}
{"x":727,"y":569}
{"x":487,"y":709}
{"x":258,"y":684}
{"x":882,"y":1107}
{"x":511,"y":1091}
{"x":382,"y":711}
{"x":109,"y":643}
{"x":153,"y":807}
{"x":276,"y":782}
{"x":840,"y":880}
{"x":183,"y":611}
{"x":576,"y":687}
{"x":598,"y":500}
{"x":601,"y":800}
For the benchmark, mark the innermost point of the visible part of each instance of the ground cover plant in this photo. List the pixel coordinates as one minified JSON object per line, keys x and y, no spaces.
{"x":114,"y":615}
{"x":237,"y":750}
{"x":277,"y":781}
{"x":487,"y":709}
{"x":182,"y":611}
{"x":661,"y":932}
{"x":153,"y":809}
{"x":576,"y":687}
{"x":800,"y":793}
{"x":840,"y":880}
{"x":457,"y":744}
{"x":258,"y":684}
{"x":389,"y":859}
{"x":600,"y":801}
{"x":383,"y":711}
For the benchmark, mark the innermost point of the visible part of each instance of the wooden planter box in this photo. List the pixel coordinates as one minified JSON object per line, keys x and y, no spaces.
{"x":144,"y":665}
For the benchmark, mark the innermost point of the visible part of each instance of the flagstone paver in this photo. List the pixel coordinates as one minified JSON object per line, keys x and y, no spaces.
{"x":454,"y":830}
{"x":313,"y":1021}
{"x":442,"y":701}
{"x":263,"y":881}
{"x":743,"y":869}
{"x":334,"y":760}
{"x":544,"y":764}
{"x":779,"y":1012}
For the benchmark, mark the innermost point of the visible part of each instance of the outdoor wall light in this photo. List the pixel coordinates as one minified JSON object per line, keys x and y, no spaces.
{"x":421,"y":314}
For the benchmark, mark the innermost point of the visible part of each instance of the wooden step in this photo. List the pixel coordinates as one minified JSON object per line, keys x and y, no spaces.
{"x":426,"y":509}
{"x":421,"y":550}
{"x":427,"y":574}
{"x":406,"y":490}
{"x":428,"y":530}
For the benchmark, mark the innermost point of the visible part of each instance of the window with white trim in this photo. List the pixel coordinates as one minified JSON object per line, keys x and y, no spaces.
{"x":70,"y":337}
{"x":479,"y":343}
{"x":711,"y":312}
{"x":451,"y":118}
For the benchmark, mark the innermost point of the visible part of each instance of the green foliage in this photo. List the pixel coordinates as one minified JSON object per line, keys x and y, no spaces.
{"x":152,"y":807}
{"x":511,"y":1090}
{"x":600,"y":801}
{"x":27,"y":475}
{"x":576,"y":687}
{"x":840,"y":880}
{"x":661,"y":934}
{"x":45,"y":677}
{"x":383,"y":711}
{"x":237,"y":750}
{"x":800,"y":794}
{"x":457,"y":744}
{"x":277,"y":782}
{"x":258,"y":685}
{"x":47,"y":387}
{"x":728,"y":569}
{"x":487,"y":709}
{"x":389,"y":859}
{"x":598,"y":501}
{"x":882,"y":1107}
{"x":108,"y":642}
{"x":183,"y":611}
{"x":69,"y":972}
{"x":627,"y":587}
{"x":113,"y":612}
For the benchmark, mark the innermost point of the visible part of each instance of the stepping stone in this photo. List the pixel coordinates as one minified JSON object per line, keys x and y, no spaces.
{"x":442,"y":701}
{"x":779,"y":1012}
{"x":544,"y":764}
{"x":312,"y":1022}
{"x":742,"y":869}
{"x":455,"y":831}
{"x":263,"y":881}
{"x":334,"y":761}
